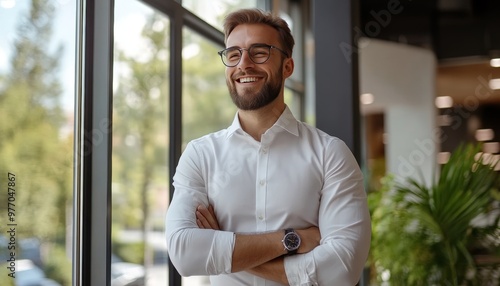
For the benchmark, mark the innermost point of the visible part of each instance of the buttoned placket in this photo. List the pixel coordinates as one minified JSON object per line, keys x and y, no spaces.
{"x":261,"y":184}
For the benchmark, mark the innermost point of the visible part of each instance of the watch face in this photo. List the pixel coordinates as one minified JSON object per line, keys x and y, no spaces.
{"x":291,"y":241}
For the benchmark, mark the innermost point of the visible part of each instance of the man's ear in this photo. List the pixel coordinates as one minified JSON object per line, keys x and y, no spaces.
{"x":288,"y":66}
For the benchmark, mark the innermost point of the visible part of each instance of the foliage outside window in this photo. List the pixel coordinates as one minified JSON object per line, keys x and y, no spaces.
{"x":206,"y":104}
{"x":214,"y":11}
{"x":140,"y":180}
{"x":36,"y":148}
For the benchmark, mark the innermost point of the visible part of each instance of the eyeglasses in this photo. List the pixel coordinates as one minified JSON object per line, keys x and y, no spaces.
{"x":259,"y":54}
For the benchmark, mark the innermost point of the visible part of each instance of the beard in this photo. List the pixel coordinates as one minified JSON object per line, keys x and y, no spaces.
{"x":253,"y":100}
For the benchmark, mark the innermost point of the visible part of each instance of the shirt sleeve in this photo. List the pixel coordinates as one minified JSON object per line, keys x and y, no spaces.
{"x":344,"y":223}
{"x":192,"y":250}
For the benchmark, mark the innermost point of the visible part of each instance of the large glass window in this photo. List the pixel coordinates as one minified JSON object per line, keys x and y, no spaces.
{"x":214,"y":11}
{"x":37,"y":73}
{"x":140,"y":177}
{"x":206,"y":104}
{"x":36,"y":141}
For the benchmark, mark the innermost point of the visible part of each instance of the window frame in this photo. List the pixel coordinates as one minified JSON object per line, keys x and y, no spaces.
{"x":92,"y":147}
{"x":93,"y":125}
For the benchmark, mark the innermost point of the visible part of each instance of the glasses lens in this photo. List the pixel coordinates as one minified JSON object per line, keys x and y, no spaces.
{"x":231,"y":56}
{"x":259,"y":54}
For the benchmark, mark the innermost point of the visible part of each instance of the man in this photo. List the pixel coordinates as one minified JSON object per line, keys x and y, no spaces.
{"x":269,"y":200}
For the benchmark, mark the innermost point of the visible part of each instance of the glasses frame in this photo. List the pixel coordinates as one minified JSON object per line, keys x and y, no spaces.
{"x":222,"y":52}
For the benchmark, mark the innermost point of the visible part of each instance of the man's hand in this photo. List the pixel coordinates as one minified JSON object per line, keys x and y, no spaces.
{"x":205,"y":218}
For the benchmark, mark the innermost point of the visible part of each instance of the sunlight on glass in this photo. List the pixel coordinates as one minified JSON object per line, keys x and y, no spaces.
{"x":140,"y":182}
{"x":7,"y":4}
{"x":214,"y":11}
{"x":36,"y":143}
{"x":206,"y":104}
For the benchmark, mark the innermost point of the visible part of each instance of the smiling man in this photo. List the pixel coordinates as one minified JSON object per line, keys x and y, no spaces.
{"x":270,"y":200}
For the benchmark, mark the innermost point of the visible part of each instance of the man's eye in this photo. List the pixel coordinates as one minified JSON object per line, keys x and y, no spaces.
{"x":233,"y":55}
{"x":260,"y":52}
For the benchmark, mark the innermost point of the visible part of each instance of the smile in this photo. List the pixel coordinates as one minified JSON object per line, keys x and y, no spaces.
{"x":247,"y":79}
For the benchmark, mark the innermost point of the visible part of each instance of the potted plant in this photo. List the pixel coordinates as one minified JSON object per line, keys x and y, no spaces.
{"x":430,"y":235}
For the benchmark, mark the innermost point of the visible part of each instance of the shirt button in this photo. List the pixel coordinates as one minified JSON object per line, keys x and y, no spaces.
{"x":261,"y":217}
{"x":264,"y":151}
{"x":262,"y":182}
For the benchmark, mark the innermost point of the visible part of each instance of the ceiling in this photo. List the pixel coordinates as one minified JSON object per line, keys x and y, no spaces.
{"x":463,"y":34}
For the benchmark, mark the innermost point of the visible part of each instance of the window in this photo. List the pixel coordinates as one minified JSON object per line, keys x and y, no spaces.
{"x":36,"y":141}
{"x":213,"y":11}
{"x":49,"y":95}
{"x":206,"y":104}
{"x":140,"y":180}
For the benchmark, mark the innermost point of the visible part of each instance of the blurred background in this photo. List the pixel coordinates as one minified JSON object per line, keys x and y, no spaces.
{"x":427,"y":84}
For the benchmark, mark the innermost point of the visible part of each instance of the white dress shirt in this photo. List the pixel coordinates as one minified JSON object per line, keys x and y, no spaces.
{"x":296,"y":177}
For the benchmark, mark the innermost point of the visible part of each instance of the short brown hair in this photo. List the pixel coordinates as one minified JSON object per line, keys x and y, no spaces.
{"x":256,"y":16}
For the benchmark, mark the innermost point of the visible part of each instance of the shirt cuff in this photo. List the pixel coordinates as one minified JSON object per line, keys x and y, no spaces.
{"x":222,"y":251}
{"x":300,"y":269}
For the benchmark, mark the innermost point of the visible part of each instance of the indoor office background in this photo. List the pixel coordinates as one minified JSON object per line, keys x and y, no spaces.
{"x":98,"y":99}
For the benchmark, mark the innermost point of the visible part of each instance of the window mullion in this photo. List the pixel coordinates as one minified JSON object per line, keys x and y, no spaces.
{"x":92,"y":239}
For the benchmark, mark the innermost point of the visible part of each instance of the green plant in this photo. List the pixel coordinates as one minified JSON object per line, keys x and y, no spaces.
{"x":427,"y":235}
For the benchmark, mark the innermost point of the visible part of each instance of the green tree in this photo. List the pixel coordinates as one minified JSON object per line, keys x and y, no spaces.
{"x":207,"y":106}
{"x":140,"y":130}
{"x":31,"y":145}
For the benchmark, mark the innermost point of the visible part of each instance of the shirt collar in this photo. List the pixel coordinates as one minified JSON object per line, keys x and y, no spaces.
{"x":286,"y":121}
{"x":235,"y":126}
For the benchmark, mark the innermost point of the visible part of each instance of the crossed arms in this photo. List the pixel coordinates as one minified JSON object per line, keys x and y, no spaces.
{"x":259,"y":254}
{"x":199,"y":248}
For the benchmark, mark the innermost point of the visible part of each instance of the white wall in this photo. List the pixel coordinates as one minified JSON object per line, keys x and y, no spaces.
{"x":402,"y":80}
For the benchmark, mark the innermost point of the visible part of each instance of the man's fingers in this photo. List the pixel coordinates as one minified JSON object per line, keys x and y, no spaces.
{"x":200,"y":225}
{"x":207,"y":217}
{"x":211,"y":211}
{"x":201,"y":220}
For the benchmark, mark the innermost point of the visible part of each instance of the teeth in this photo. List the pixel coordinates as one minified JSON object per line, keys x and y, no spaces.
{"x":248,"y":79}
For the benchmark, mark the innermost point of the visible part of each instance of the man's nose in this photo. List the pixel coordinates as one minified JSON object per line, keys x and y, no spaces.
{"x":245,"y":60}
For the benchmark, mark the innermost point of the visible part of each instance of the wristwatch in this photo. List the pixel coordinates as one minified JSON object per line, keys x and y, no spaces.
{"x":291,"y":241}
